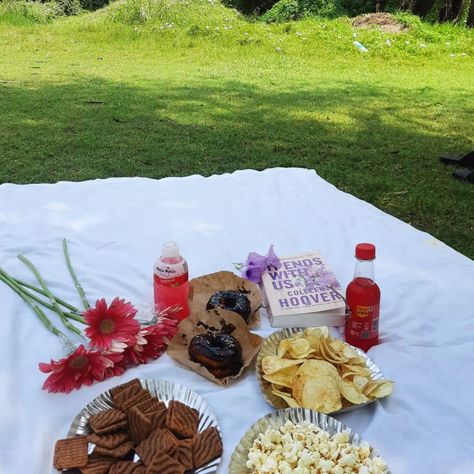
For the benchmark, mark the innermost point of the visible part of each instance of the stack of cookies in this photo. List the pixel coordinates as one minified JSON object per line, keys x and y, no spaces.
{"x":164,"y":438}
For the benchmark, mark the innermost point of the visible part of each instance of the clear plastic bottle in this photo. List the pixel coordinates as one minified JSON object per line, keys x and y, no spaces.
{"x":363,"y":300}
{"x":170,"y":280}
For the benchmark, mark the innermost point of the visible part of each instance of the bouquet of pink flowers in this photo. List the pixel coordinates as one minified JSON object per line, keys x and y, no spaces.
{"x":114,"y":339}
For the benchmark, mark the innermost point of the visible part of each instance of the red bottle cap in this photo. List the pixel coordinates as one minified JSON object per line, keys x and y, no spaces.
{"x":365,"y":251}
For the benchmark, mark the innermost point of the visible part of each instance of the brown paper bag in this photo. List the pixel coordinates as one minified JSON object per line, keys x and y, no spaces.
{"x":210,"y":321}
{"x":202,"y":288}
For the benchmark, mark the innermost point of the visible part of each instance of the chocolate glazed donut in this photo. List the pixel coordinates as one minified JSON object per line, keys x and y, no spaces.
{"x":231,"y":300}
{"x":221,"y":354}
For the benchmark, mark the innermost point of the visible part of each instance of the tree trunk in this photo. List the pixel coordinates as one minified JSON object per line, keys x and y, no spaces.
{"x":407,"y":5}
{"x":470,"y":15}
{"x":462,"y":10}
{"x":451,"y":10}
{"x":422,"y":7}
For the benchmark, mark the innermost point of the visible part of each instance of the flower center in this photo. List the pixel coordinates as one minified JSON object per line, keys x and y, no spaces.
{"x":78,"y":362}
{"x":107,"y":326}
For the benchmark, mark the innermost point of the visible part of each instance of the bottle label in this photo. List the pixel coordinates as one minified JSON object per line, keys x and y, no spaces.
{"x":364,"y":322}
{"x":170,"y":275}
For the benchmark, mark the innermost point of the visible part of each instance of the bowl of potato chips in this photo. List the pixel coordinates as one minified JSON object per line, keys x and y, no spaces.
{"x":308,"y":368}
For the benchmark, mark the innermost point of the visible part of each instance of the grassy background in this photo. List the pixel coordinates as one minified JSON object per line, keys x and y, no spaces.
{"x":155,"y":89}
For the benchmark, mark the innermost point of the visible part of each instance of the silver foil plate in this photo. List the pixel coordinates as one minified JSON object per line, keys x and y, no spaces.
{"x":165,"y":391}
{"x":278,"y":418}
{"x":269,"y":348}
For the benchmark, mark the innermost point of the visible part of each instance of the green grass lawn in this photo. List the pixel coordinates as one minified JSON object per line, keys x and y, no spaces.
{"x":155,"y":90}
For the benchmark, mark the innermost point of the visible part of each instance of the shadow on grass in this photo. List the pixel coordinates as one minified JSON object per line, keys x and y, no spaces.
{"x":378,"y":143}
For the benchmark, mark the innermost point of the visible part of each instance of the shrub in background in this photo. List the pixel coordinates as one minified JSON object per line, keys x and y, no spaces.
{"x":357,"y":7}
{"x":324,"y":8}
{"x":284,"y":10}
{"x":92,"y":5}
{"x":34,"y":12}
{"x":251,"y":6}
{"x":139,"y":11}
{"x":68,"y":7}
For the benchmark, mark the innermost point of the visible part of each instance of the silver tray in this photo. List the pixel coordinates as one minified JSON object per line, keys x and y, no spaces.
{"x":269,"y":348}
{"x":165,"y":391}
{"x":276,"y":419}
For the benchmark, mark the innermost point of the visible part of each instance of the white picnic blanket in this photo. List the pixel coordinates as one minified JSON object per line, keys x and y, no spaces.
{"x":115,"y":228}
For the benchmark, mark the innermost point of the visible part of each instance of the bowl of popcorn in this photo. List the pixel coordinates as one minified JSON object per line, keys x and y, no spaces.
{"x":302,"y":441}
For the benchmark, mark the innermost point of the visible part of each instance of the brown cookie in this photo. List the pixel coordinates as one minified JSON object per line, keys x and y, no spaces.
{"x":126,"y":467}
{"x":185,"y":453}
{"x":108,"y":421}
{"x":150,"y":406}
{"x":158,"y":419}
{"x":70,"y":453}
{"x":139,"y":397}
{"x":181,"y":419}
{"x":111,"y":440}
{"x":125,"y":394}
{"x":118,"y":452}
{"x":119,"y":388}
{"x":139,"y":426}
{"x":206,"y":447}
{"x":98,"y":464}
{"x":158,"y":441}
{"x":164,"y":464}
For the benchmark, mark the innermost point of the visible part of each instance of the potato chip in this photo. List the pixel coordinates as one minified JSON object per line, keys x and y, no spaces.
{"x":292,"y":403}
{"x":298,"y":348}
{"x":350,"y":393}
{"x":384,"y":389}
{"x":271,"y":364}
{"x":318,"y":368}
{"x":360,"y":370}
{"x":283,"y":377}
{"x":369,"y":388}
{"x":349,"y":353}
{"x":313,"y":336}
{"x":321,"y":394}
{"x":349,"y":375}
{"x":327,"y":352}
{"x":283,"y":347}
{"x":360,"y":382}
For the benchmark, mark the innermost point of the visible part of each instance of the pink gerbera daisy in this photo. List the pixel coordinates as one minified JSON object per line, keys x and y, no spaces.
{"x":81,"y":367}
{"x":112,"y":327}
{"x":150,"y":342}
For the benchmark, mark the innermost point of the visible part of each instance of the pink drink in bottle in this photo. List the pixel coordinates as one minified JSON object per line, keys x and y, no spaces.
{"x":170,"y":281}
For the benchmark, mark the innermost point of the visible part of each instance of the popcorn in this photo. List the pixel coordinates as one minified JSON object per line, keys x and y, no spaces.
{"x":304,"y":448}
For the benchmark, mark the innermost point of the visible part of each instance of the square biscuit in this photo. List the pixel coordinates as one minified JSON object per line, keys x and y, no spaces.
{"x":182,"y":420}
{"x":70,"y":453}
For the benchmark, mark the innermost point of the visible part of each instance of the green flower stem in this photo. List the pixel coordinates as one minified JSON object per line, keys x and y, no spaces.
{"x":11,"y":281}
{"x":20,"y":287}
{"x":39,"y":312}
{"x":74,"y":277}
{"x":42,"y":292}
{"x":56,"y":306}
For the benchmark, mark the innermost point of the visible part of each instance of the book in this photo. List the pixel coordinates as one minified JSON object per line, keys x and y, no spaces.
{"x":303,"y":292}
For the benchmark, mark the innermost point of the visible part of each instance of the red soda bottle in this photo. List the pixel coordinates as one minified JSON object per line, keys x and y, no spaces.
{"x":363,"y":300}
{"x":170,"y":281}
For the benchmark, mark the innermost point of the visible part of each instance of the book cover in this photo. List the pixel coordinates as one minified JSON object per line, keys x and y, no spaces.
{"x":303,"y":292}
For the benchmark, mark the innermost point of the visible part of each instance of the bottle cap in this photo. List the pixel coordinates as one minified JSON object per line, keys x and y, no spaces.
{"x":365,"y":251}
{"x":170,"y":250}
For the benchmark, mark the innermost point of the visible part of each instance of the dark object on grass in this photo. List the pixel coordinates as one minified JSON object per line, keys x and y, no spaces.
{"x":466,"y":160}
{"x":465,"y":174}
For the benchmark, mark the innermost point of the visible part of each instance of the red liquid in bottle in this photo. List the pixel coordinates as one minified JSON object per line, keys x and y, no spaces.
{"x":363,"y":300}
{"x":170,"y":281}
